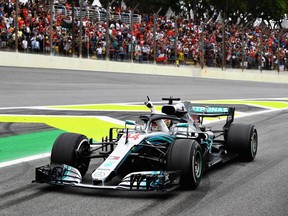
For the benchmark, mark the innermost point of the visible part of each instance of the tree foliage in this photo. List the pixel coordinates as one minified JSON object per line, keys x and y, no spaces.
{"x":267,"y":9}
{"x":206,"y":9}
{"x":146,"y":6}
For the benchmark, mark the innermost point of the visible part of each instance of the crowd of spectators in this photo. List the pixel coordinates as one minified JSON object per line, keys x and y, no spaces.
{"x":192,"y":41}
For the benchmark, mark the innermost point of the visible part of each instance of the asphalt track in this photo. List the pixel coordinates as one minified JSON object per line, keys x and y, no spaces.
{"x":257,"y":188}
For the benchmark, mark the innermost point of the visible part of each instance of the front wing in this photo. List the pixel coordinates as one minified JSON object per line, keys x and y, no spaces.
{"x":65,"y":175}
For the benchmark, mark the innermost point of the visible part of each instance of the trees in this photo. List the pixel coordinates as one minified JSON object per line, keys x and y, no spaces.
{"x":147,"y":6}
{"x":203,"y":9}
{"x":229,"y":8}
{"x":264,"y":9}
{"x":268,"y":10}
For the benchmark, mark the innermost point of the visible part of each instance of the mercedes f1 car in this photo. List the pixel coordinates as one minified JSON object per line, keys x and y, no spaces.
{"x":161,"y":151}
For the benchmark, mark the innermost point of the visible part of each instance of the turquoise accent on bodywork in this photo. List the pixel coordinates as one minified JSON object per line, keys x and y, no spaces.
{"x":208,"y":143}
{"x":183,"y":125}
{"x":65,"y":174}
{"x":129,"y":122}
{"x":154,"y":183}
{"x":159,"y":139}
{"x":136,"y":148}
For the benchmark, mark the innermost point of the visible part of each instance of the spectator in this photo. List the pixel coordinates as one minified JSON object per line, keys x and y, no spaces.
{"x":24,"y":44}
{"x":4,"y":38}
{"x":99,"y":52}
{"x":35,"y":45}
{"x":121,"y":53}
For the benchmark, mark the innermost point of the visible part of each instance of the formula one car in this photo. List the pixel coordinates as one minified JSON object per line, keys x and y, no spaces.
{"x":163,"y":151}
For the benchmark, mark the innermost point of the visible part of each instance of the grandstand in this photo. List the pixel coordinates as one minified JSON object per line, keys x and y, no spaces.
{"x":139,"y":37}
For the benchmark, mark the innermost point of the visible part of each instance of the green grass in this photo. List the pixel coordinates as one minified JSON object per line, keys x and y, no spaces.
{"x":19,"y":146}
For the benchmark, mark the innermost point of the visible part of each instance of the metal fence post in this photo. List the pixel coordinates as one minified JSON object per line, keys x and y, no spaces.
{"x":261,"y":49}
{"x":154,"y":34}
{"x":16,"y":26}
{"x":279,"y":44}
{"x":242,"y":38}
{"x":51,"y":26}
{"x":107,"y":31}
{"x":202,"y":46}
{"x":81,"y":30}
{"x":176,"y":41}
{"x":223,"y":47}
{"x":131,"y":26}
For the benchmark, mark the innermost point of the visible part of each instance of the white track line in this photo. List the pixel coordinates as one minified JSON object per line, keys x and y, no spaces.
{"x":26,"y":159}
{"x":138,"y":103}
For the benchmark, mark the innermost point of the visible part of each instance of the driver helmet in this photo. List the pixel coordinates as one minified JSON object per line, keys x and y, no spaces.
{"x":154,"y":126}
{"x":168,"y":122}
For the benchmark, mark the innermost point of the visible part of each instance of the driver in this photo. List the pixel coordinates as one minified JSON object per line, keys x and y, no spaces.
{"x":158,"y":125}
{"x":168,"y":122}
{"x":154,"y":126}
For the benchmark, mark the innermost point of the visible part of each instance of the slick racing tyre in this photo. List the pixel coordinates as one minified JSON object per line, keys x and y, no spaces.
{"x":242,"y":139}
{"x":70,"y":149}
{"x":185,"y":155}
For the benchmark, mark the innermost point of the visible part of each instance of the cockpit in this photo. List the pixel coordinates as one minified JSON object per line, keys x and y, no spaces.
{"x":163,"y":123}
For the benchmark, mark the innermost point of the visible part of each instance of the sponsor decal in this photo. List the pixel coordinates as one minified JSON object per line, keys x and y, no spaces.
{"x":99,"y":174}
{"x":108,"y":163}
{"x":132,"y":136}
{"x":210,"y":109}
{"x":113,"y":158}
{"x":102,"y":169}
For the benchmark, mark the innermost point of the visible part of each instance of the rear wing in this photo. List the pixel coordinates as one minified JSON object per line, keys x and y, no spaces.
{"x":211,"y":111}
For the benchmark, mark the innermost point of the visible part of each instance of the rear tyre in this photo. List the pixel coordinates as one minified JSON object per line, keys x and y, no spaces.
{"x":71,"y":149}
{"x":185,"y":155}
{"x":243,"y":140}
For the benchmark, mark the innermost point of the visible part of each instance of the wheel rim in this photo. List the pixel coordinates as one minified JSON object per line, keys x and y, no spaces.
{"x":197,"y":165}
{"x":254,"y":144}
{"x":82,"y":164}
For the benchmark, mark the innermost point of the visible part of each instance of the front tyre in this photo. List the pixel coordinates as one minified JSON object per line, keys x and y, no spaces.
{"x":71,"y":149}
{"x":243,"y":140}
{"x":185,"y":155}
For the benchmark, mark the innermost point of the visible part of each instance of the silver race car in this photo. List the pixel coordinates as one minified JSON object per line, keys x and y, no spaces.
{"x":161,"y":151}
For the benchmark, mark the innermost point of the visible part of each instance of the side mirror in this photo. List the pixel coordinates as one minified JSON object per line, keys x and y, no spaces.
{"x":202,"y":128}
